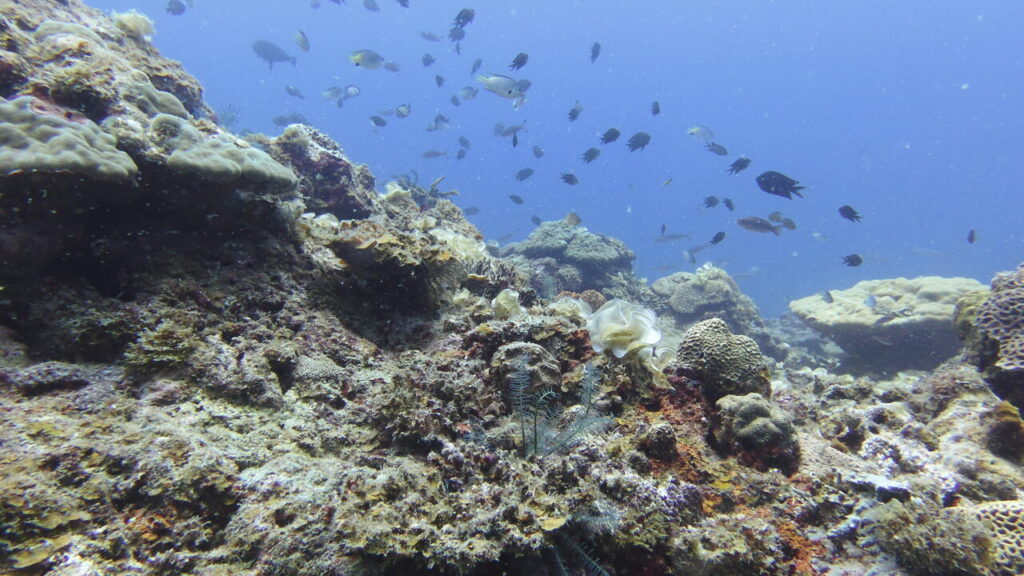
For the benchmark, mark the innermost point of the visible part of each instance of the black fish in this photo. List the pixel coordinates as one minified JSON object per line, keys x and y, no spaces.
{"x":524,"y":174}
{"x":403,"y":3}
{"x":515,"y":139}
{"x":476,"y":66}
{"x":590,"y":155}
{"x":428,"y":59}
{"x":516,"y":198}
{"x":460,"y":154}
{"x":175,"y":7}
{"x":638,"y":141}
{"x":853,"y":260}
{"x":827,"y":297}
{"x":536,"y":220}
{"x":711,"y":201}
{"x":574,"y":114}
{"x":849,"y":213}
{"x":464,"y":142}
{"x":788,"y":224}
{"x":455,"y":35}
{"x":663,"y":227}
{"x":610,"y":135}
{"x":519,"y":61}
{"x":378,"y":121}
{"x":439,"y":80}
{"x":570,"y":179}
{"x":717,"y":239}
{"x":728,"y":204}
{"x":717,"y":149}
{"x":971,"y":237}
{"x":779,"y":184}
{"x":739,"y":165}
{"x":463,"y":18}
{"x":595,"y":51}
{"x":271,"y":52}
{"x":655,"y":108}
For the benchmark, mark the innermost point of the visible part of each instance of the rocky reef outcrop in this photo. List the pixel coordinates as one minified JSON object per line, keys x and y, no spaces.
{"x":889,"y":325}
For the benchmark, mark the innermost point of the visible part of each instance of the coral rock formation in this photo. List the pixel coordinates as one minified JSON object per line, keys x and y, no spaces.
{"x":723,"y":362}
{"x":890,"y":325}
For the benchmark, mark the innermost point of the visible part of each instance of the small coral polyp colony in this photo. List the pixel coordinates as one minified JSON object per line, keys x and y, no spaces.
{"x":232,"y":355}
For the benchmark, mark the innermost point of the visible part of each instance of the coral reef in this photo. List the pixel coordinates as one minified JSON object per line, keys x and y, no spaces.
{"x":762,"y":433}
{"x":316,"y":382}
{"x":1000,"y":325}
{"x":893,"y":324}
{"x":567,"y":257}
{"x":724,"y":363}
{"x":711,"y":293}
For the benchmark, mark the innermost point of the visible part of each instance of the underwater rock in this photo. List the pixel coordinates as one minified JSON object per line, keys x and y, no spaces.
{"x":579,"y":259}
{"x":890,"y":325}
{"x":711,"y":293}
{"x":724,"y":363}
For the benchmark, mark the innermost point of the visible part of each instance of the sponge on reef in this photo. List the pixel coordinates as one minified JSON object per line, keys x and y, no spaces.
{"x":43,"y":142}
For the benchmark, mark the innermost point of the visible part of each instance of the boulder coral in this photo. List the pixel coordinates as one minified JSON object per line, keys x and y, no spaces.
{"x":723,"y":362}
{"x":1000,"y":322}
{"x":762,"y":434}
{"x":890,"y":325}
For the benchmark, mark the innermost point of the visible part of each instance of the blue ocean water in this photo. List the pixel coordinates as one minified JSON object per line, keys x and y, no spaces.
{"x":908,"y":111}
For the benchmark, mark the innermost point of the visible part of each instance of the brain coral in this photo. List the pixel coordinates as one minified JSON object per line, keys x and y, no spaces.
{"x":1000,"y":320}
{"x":724,"y":363}
{"x":890,"y":325}
{"x":1006,"y":522}
{"x":34,"y":138}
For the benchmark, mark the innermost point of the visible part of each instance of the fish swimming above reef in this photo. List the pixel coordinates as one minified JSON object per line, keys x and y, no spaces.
{"x":519,"y":61}
{"x":574,"y":114}
{"x":464,"y":142}
{"x":175,"y":7}
{"x":505,"y":87}
{"x":570,"y":179}
{"x":516,"y":198}
{"x":464,"y":18}
{"x":377,"y":121}
{"x":272,"y":53}
{"x":538,"y":152}
{"x":716,"y":149}
{"x":455,"y":100}
{"x":536,"y":220}
{"x":524,"y":174}
{"x":717,"y":239}
{"x":595,"y":51}
{"x":775,"y":216}
{"x":507,"y":131}
{"x":371,"y":5}
{"x":739,"y":165}
{"x":392,"y":67}
{"x":758,"y":224}
{"x":779,"y":184}
{"x":440,"y":122}
{"x":849,"y":213}
{"x":655,"y":108}
{"x":788,"y":224}
{"x":429,"y":36}
{"x":710,"y":201}
{"x":853,"y":260}
{"x":367,"y":59}
{"x":460,"y":154}
{"x":971,"y":236}
{"x":468,"y":93}
{"x":294,"y":92}
{"x":439,"y":80}
{"x":432,"y":154}
{"x":590,"y":155}
{"x":476,"y":66}
{"x":301,"y":40}
{"x":403,"y":3}
{"x":701,"y":133}
{"x":403,"y":110}
{"x":727,"y":202}
{"x":428,"y":59}
{"x":638,"y":141}
{"x":610,"y":135}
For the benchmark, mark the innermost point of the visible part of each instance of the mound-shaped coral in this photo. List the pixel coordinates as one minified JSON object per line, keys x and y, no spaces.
{"x":890,"y":325}
{"x":571,"y":258}
{"x":724,"y":363}
{"x":1000,"y":323}
{"x":36,"y":137}
{"x":762,"y":434}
